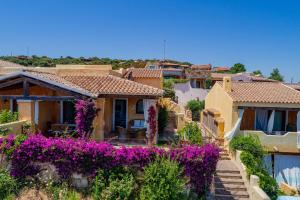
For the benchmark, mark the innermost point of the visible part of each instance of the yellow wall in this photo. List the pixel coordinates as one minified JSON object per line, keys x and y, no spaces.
{"x":276,"y":143}
{"x":154,"y":82}
{"x":218,"y":99}
{"x":49,"y":113}
{"x":26,"y":110}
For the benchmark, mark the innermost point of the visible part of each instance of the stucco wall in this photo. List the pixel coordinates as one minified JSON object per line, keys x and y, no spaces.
{"x":218,"y":99}
{"x":279,"y":143}
{"x":14,"y":127}
{"x":49,"y":112}
{"x":154,"y":82}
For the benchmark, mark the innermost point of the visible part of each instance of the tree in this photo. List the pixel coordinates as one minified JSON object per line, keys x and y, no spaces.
{"x":257,"y":73}
{"x":275,"y":75}
{"x":237,"y":68}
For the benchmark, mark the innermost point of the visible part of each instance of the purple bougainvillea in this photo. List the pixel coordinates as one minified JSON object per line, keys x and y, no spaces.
{"x":152,"y":125}
{"x":86,"y":157}
{"x":85,"y":114}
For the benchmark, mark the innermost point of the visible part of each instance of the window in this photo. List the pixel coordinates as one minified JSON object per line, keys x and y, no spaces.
{"x":68,"y":112}
{"x":140,"y":107}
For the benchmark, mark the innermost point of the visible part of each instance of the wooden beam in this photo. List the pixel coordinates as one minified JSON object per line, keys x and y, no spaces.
{"x":25,"y":88}
{"x":11,"y":82}
{"x":44,"y":98}
{"x":53,"y":87}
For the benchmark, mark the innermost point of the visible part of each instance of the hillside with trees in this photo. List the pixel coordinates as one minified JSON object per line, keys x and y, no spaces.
{"x":44,"y":61}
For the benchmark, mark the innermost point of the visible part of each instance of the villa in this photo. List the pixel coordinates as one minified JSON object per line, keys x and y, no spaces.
{"x":47,"y":99}
{"x":269,"y":110}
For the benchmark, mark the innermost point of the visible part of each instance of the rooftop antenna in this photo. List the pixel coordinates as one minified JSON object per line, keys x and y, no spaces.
{"x":165,"y":50}
{"x":27,"y":51}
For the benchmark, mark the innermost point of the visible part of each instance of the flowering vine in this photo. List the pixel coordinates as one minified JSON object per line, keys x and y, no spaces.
{"x":87,"y":157}
{"x":152,"y":125}
{"x":85,"y":114}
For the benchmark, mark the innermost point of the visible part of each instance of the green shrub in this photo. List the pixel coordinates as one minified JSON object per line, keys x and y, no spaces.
{"x":249,"y":143}
{"x":269,"y":185}
{"x":8,"y":184}
{"x":251,"y":163}
{"x":169,"y":93}
{"x":99,"y":184}
{"x":118,"y":183}
{"x":168,"y":86}
{"x":162,"y":120}
{"x":195,"y":106}
{"x":7,"y":116}
{"x":162,"y":180}
{"x":119,"y":188}
{"x":191,"y":132}
{"x":252,"y":157}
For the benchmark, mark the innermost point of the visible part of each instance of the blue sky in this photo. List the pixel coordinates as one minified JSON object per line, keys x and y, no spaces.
{"x":262,"y":34}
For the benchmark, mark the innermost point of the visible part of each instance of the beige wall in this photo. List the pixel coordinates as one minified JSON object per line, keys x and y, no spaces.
{"x":49,"y":113}
{"x":154,"y":82}
{"x":276,"y":143}
{"x":26,"y":110}
{"x":218,"y":99}
{"x":14,"y":127}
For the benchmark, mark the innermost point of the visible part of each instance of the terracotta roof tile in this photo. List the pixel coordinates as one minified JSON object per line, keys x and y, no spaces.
{"x":263,"y":92}
{"x":100,"y":85}
{"x":113,"y":85}
{"x":201,"y":67}
{"x":143,"y":73}
{"x":246,"y":77}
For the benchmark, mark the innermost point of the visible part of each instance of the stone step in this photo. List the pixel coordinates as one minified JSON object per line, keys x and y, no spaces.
{"x":240,"y":194}
{"x":228,"y":171}
{"x":229,"y":197}
{"x":224,"y":158}
{"x":220,"y":180}
{"x":229,"y":175}
{"x":226,"y":188}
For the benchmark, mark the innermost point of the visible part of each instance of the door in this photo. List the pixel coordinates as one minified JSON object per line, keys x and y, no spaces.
{"x":121,"y":113}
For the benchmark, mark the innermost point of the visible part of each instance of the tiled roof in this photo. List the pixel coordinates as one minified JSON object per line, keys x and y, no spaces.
{"x":246,"y":77}
{"x":143,"y":73}
{"x":201,"y":67}
{"x":263,"y":92}
{"x":296,"y":86}
{"x":217,"y":69}
{"x":93,"y":86}
{"x":103,"y":85}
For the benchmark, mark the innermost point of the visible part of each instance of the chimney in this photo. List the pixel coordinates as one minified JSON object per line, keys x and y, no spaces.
{"x":227,"y":83}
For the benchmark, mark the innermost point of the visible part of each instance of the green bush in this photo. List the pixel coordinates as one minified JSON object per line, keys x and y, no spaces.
{"x":162,"y":119}
{"x":269,"y":185}
{"x":8,"y":184}
{"x":7,"y":116}
{"x":119,"y":188}
{"x":249,"y":144}
{"x":99,"y":184}
{"x":168,"y":86}
{"x":196,"y":107}
{"x":118,"y":183}
{"x":162,"y":180}
{"x":252,"y":157}
{"x":191,"y":132}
